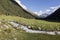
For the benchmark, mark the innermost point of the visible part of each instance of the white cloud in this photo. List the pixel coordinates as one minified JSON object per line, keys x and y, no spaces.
{"x":42,"y":12}
{"x":39,"y":13}
{"x":48,"y":11}
{"x":55,"y":7}
{"x":19,"y":2}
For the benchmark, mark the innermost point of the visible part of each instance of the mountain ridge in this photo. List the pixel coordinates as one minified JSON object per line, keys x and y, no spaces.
{"x":55,"y":16}
{"x":10,"y":7}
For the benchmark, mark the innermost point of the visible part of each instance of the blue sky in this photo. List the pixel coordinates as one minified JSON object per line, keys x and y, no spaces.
{"x":37,"y":5}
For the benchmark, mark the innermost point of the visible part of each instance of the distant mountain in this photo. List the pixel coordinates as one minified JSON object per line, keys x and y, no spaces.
{"x":54,"y":16}
{"x":44,"y":15}
{"x":10,"y":7}
{"x":48,"y":12}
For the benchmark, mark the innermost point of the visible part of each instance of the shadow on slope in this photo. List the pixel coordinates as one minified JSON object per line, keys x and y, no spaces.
{"x":10,"y":7}
{"x":54,"y":17}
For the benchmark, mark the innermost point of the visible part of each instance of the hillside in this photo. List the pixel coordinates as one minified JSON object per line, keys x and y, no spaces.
{"x":8,"y":32}
{"x":55,"y":16}
{"x":11,"y":33}
{"x":10,"y":11}
{"x":10,"y":7}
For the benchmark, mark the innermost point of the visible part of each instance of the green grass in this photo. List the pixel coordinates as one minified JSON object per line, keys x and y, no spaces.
{"x":12,"y":34}
{"x":27,"y":36}
{"x":17,"y":14}
{"x":8,"y":7}
{"x":35,"y":24}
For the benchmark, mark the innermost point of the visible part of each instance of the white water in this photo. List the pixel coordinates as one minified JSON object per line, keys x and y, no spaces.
{"x":33,"y":31}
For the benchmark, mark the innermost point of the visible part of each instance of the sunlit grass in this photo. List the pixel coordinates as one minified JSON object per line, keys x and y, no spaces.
{"x":13,"y":34}
{"x":45,"y":25}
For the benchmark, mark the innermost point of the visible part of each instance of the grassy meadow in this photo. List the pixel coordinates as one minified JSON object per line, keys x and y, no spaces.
{"x":34,"y":23}
{"x":11,"y":33}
